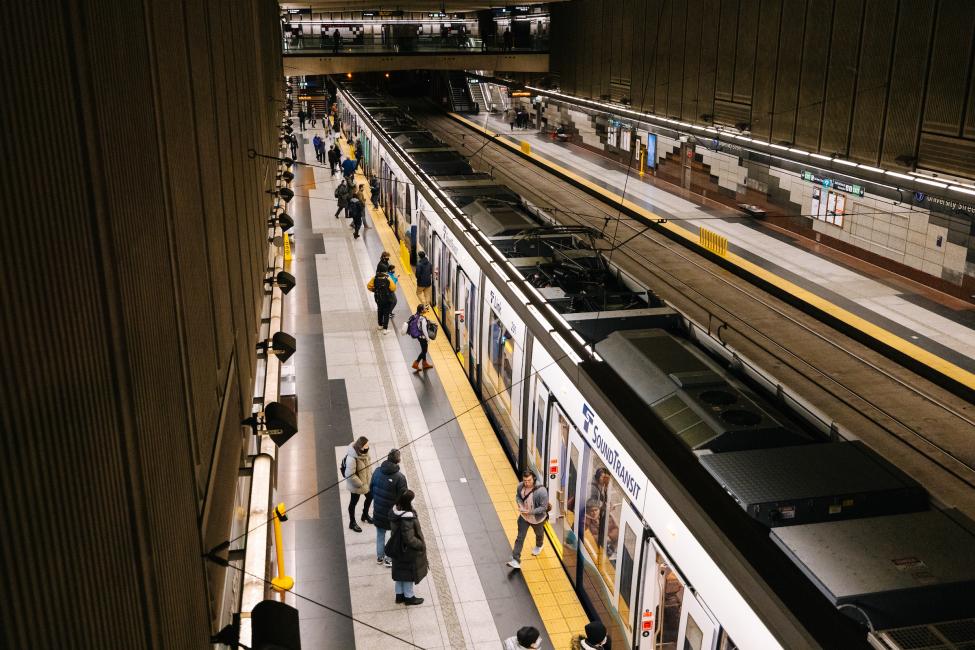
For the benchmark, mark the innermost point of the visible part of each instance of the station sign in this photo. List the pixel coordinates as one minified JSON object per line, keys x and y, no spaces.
{"x":383,"y":13}
{"x":827,"y":182}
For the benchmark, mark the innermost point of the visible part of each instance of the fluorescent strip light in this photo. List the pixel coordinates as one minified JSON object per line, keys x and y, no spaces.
{"x":820,"y":156}
{"x":934,"y":183}
{"x":843,"y":161}
{"x":963,"y":190}
{"x":872,"y":169}
{"x":778,"y":146}
{"x":799,"y":151}
{"x":898,"y":175}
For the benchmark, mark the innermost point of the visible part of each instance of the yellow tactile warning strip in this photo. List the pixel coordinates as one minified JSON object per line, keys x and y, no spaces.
{"x":557,"y":603}
{"x":933,"y":361}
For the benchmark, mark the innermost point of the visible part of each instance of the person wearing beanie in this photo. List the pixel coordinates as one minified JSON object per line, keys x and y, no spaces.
{"x":594,"y":639}
{"x":527,"y":637}
{"x":355,"y":471}
{"x":387,"y":485}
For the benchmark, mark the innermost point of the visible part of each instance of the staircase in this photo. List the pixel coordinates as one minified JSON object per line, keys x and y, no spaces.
{"x":460,"y":94}
{"x":477,"y":94}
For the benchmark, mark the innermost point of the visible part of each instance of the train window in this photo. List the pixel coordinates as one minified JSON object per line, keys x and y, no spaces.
{"x":501,"y":351}
{"x":693,"y":636}
{"x":626,"y":575}
{"x":604,"y":506}
{"x":672,"y":597}
{"x":725,"y":642}
{"x":541,"y":405}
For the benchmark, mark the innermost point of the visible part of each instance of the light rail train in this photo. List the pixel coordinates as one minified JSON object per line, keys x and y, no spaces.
{"x":594,"y":383}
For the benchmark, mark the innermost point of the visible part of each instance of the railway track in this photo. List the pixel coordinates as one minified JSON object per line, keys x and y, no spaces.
{"x":920,"y":427}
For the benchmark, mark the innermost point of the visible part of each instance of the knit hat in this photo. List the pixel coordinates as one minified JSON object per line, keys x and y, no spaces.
{"x":527,"y":636}
{"x":595,"y":633}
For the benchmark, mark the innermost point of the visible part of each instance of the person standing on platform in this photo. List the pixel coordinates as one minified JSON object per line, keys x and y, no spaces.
{"x":595,"y":638}
{"x":386,"y":486}
{"x":424,"y":279}
{"x":410,"y":559}
{"x":342,"y":195}
{"x":356,"y":210}
{"x":527,"y":637}
{"x":319,"y":146}
{"x":360,"y":194}
{"x":355,"y":470}
{"x":348,"y":169}
{"x":301,"y":119}
{"x":336,"y":41}
{"x":510,"y":116}
{"x":293,"y":141}
{"x":384,"y":291}
{"x":333,"y":157}
{"x":358,"y":151}
{"x":383,"y":265}
{"x":311,"y":114}
{"x":419,"y":328}
{"x":374,"y":191}
{"x":532,"y":502}
{"x":507,"y":39}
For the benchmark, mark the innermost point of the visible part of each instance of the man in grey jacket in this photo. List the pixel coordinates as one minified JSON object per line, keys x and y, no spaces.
{"x":532,"y":501}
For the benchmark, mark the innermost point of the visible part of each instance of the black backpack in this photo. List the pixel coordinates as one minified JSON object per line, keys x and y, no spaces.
{"x":380,"y":287}
{"x":342,"y":466}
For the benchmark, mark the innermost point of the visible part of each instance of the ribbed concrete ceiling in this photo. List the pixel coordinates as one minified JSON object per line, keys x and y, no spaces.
{"x":407,"y":5}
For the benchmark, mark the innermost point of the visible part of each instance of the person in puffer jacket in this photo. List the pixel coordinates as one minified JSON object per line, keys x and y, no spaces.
{"x":357,"y":464}
{"x":527,"y":637}
{"x":387,"y":485}
{"x":410,"y":560}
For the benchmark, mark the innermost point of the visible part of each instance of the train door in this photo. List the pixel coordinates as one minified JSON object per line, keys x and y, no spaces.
{"x":449,"y":297}
{"x":463,"y":318}
{"x":698,"y":629}
{"x":661,"y":602}
{"x":570,"y":507}
{"x":436,"y":258}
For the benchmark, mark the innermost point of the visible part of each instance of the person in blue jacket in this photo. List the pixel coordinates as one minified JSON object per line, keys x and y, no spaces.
{"x":387,"y":485}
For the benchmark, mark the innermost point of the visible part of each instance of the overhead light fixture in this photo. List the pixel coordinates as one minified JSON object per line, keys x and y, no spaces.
{"x":286,"y":194}
{"x":283,"y":219}
{"x":820,"y":156}
{"x":921,"y":179}
{"x":277,"y":420}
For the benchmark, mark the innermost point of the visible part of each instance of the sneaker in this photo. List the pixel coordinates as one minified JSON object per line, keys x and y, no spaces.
{"x":387,"y":563}
{"x":400,"y":598}
{"x":385,"y":332}
{"x":537,"y":550}
{"x":380,"y":560}
{"x":514,"y":564}
{"x":415,"y":600}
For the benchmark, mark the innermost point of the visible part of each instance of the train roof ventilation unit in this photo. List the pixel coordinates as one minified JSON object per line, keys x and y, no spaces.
{"x":949,"y":635}
{"x":804,"y":484}
{"x":497,"y":218}
{"x":691,"y":395}
{"x":891,"y":571}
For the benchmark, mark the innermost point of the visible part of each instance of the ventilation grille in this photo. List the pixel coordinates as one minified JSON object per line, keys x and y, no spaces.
{"x":952,"y":635}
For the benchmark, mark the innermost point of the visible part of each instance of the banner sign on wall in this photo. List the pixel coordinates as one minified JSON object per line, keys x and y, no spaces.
{"x":832,"y":183}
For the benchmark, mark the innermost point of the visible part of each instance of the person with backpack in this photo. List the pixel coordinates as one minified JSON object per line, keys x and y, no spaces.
{"x":348,"y":168}
{"x":420,"y":328}
{"x":342,"y":194}
{"x":384,"y":291}
{"x":386,"y":486}
{"x":355,"y":470}
{"x":595,"y":638}
{"x":527,"y":637}
{"x":301,"y":118}
{"x":424,"y":279}
{"x":533,"y":505}
{"x":407,"y":548}
{"x":356,"y":210}
{"x":383,"y":265}
{"x":293,"y":142}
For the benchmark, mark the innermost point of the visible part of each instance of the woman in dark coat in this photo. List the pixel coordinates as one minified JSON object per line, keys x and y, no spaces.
{"x":410,"y":561}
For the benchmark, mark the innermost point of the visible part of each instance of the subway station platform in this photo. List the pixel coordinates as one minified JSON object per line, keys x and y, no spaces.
{"x":353,"y":381}
{"x":886,"y":304}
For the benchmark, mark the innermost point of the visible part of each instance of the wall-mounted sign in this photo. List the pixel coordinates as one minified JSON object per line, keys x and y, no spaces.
{"x":835,"y":184}
{"x":945,"y":205}
{"x":383,"y":13}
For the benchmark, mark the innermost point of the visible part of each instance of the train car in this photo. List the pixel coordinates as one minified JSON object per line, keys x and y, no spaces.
{"x":529,"y":308}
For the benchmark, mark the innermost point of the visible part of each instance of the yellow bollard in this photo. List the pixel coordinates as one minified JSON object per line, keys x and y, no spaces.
{"x":525,"y":147}
{"x":713,"y":241}
{"x":282,"y":582}
{"x":404,"y":256}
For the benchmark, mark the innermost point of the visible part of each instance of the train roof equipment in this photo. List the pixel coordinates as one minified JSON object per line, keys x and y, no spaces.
{"x":787,"y":486}
{"x":691,"y":394}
